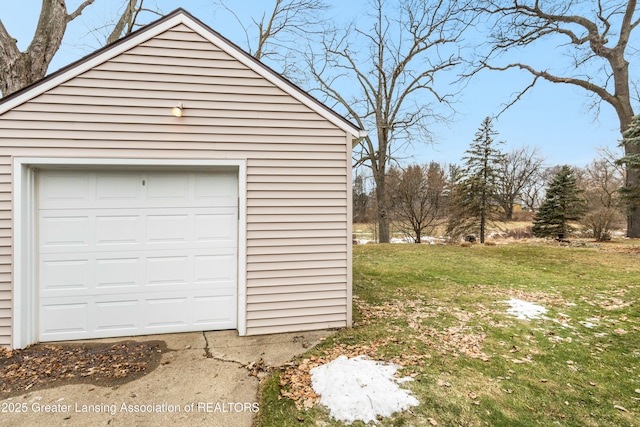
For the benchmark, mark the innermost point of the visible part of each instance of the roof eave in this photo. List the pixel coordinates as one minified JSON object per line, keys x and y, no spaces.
{"x":178,"y":16}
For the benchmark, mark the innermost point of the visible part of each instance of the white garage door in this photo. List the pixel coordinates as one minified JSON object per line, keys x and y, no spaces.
{"x":133,"y":253}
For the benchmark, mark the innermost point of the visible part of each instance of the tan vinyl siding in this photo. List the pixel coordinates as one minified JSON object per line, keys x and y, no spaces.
{"x":298,"y":164}
{"x":5,"y":251}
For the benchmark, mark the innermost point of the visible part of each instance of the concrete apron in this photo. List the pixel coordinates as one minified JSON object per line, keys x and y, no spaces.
{"x":205,"y":379}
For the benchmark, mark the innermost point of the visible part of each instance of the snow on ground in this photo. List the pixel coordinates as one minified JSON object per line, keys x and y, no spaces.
{"x":525,"y":310}
{"x":360,"y":389}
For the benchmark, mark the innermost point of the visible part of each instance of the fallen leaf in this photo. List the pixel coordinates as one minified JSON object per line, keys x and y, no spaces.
{"x":620,"y":408}
{"x":432,"y":421}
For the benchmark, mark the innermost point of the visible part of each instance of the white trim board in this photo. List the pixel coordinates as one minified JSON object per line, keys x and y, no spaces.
{"x":25,"y":304}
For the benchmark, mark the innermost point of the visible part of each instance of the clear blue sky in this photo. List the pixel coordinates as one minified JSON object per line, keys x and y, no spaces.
{"x":554,"y":118}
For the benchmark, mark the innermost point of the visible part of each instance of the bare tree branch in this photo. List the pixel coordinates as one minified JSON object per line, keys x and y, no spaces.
{"x":280,"y":30}
{"x":599,"y":66}
{"x":19,"y":69}
{"x":393,"y":72}
{"x":79,"y":10}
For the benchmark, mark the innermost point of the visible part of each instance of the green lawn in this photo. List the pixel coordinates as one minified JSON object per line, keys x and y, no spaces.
{"x":441,"y":312}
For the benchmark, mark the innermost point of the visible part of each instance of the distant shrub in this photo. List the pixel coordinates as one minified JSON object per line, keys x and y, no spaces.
{"x":519,"y":233}
{"x":601,"y":222}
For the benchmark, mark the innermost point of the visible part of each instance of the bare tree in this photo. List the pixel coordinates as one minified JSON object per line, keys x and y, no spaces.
{"x":519,"y":169}
{"x":600,"y":182}
{"x":532,"y":194}
{"x":278,"y":32}
{"x":594,"y":35}
{"x":128,"y":21}
{"x":391,"y":67}
{"x":19,"y":69}
{"x":420,"y":200}
{"x":361,"y":199}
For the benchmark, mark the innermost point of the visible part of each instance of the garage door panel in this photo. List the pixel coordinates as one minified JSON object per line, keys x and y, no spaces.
{"x":123,"y":229}
{"x":63,"y":189}
{"x":70,"y":275}
{"x":212,"y":311}
{"x":64,"y":231}
{"x":132,"y":230}
{"x":169,"y":189}
{"x":219,"y":228}
{"x":216,"y":189}
{"x":83,"y":273}
{"x":167,"y":270}
{"x":118,"y":273}
{"x":166,"y":311}
{"x":121,"y":189}
{"x":126,"y":253}
{"x":64,"y":319}
{"x":121,"y":315}
{"x":168,"y":228}
{"x":79,"y":189}
{"x":214,"y":268}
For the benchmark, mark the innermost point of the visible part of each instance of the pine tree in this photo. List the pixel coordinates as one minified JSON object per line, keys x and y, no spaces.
{"x":561,"y":205}
{"x":631,"y":140}
{"x":476,"y":192}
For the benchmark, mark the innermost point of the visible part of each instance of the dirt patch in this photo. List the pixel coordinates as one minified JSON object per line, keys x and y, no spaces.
{"x":48,"y":365}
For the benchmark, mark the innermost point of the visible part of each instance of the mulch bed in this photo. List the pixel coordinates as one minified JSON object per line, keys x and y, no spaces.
{"x":47,"y":365}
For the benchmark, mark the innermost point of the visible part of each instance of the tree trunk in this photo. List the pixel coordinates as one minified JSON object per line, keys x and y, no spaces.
{"x":508,"y":211}
{"x":383,"y":214}
{"x":625,"y":114}
{"x":633,"y":212}
{"x":20,"y":69}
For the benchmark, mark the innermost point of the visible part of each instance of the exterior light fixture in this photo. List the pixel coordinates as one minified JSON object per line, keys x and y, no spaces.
{"x":177,"y":110}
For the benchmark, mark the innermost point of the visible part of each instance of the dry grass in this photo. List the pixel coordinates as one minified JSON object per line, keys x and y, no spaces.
{"x":440,"y":311}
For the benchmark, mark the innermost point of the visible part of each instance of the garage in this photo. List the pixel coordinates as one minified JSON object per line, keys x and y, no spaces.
{"x":135,"y":252}
{"x":170,"y":182}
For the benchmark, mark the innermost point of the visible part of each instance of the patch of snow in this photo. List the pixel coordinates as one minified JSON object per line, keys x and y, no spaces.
{"x":401,"y":240}
{"x":591,"y":322}
{"x":525,"y":310}
{"x":562,"y":320}
{"x":360,"y":389}
{"x":432,"y":240}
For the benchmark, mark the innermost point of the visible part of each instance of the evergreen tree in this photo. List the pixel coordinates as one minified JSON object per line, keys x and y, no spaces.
{"x":360,"y":200}
{"x":631,"y":140}
{"x":562,"y":204}
{"x":475,"y":193}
